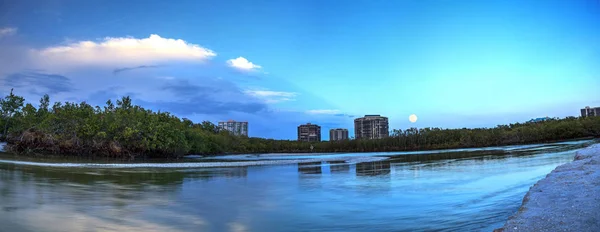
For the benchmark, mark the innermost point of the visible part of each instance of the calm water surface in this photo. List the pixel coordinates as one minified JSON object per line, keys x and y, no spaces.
{"x":465,"y":189}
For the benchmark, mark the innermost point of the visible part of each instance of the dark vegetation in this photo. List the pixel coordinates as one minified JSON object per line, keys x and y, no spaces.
{"x":127,"y":131}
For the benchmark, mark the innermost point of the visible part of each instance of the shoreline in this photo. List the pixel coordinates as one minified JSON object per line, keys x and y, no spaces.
{"x":208,"y":161}
{"x":567,"y":199}
{"x":93,"y":158}
{"x":4,"y":147}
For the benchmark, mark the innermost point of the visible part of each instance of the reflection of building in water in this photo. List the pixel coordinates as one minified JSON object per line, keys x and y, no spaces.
{"x":207,"y":174}
{"x":416,"y":170}
{"x":235,"y":172}
{"x":338,"y":166}
{"x":373,"y":168}
{"x":310,"y":168}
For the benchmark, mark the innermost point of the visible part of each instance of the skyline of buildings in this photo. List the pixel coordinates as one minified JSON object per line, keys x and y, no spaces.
{"x":372,"y":126}
{"x":235,"y":127}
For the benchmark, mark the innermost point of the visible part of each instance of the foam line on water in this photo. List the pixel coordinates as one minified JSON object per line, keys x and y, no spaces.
{"x":192,"y":164}
{"x":277,"y":156}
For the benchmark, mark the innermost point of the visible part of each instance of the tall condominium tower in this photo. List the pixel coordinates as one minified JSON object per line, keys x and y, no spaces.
{"x":309,"y":133}
{"x":338,"y":134}
{"x":371,"y":127}
{"x":236,"y":128}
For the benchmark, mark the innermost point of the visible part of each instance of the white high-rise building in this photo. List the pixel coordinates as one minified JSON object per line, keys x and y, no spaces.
{"x":338,"y":134}
{"x":588,"y":111}
{"x":236,"y":128}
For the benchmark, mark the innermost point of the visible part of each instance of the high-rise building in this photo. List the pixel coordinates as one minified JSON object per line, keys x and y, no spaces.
{"x":236,"y":128}
{"x":309,"y":133}
{"x":338,"y":134}
{"x":587,"y":111}
{"x":371,"y":127}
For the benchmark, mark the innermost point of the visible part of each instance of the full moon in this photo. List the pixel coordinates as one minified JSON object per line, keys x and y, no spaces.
{"x":412,"y":118}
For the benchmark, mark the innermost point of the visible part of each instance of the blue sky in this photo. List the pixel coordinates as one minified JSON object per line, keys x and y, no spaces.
{"x":277,"y":64}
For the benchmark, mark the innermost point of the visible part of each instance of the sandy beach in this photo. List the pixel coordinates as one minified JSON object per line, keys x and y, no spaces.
{"x":568,"y":199}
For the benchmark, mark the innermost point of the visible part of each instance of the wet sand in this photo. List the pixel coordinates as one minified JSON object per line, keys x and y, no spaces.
{"x":568,"y":199}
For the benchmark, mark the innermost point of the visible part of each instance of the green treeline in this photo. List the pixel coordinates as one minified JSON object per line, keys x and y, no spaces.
{"x":127,"y":131}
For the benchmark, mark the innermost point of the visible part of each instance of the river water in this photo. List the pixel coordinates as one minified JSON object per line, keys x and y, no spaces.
{"x":451,"y":190}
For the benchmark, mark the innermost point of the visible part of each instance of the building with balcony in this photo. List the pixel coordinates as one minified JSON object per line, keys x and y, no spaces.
{"x":588,"y":111}
{"x":236,"y":128}
{"x":371,"y":127}
{"x":309,"y":133}
{"x":338,"y":134}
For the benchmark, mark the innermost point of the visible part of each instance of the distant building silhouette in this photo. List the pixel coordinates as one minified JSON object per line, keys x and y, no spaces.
{"x":587,"y":111}
{"x":539,"y":119}
{"x":338,"y":134}
{"x":236,"y":128}
{"x":309,"y":133}
{"x":371,"y":127}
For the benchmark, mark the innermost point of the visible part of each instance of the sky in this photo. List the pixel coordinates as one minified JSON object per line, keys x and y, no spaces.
{"x":279,"y":64}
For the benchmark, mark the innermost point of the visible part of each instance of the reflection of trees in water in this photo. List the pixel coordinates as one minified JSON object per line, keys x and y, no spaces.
{"x":373,"y":168}
{"x":431,"y":162}
{"x":110,"y":199}
{"x":481,"y":156}
{"x":121,"y":187}
{"x":131,"y":178}
{"x":338,"y":166}
{"x":84,"y":176}
{"x":207,"y":174}
{"x":551,"y":148}
{"x":448,"y":156}
{"x":22,"y":185}
{"x":310,"y":168}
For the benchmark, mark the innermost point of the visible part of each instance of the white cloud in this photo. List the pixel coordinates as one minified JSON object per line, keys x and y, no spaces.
{"x":166,"y":77}
{"x":277,"y":100}
{"x":243,"y":64}
{"x":272,"y":96}
{"x":322,"y":111}
{"x":237,"y":227}
{"x":7,"y":31}
{"x":267,"y":93}
{"x":122,"y":51}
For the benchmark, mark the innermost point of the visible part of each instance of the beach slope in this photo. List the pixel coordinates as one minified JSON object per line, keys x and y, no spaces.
{"x":568,"y":199}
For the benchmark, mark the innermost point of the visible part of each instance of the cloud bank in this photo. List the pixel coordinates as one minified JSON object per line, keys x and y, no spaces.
{"x":121,"y":51}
